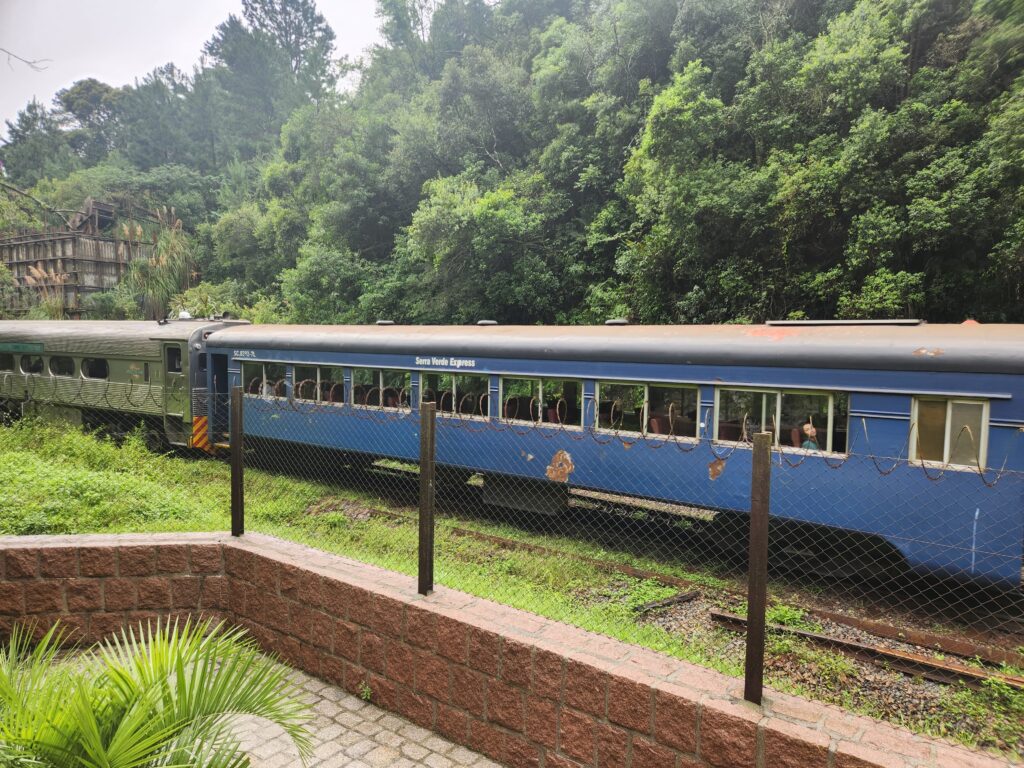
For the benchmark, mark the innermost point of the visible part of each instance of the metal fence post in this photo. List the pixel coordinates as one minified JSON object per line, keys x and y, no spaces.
{"x":428,"y":412}
{"x":237,"y":465}
{"x":757,"y":566}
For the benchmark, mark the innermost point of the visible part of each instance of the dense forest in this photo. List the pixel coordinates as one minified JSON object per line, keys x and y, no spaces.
{"x":691,"y":161}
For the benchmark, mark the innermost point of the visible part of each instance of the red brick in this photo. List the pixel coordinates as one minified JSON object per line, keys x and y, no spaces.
{"x":103,"y":624}
{"x":576,"y":735}
{"x":849,"y":755}
{"x":728,"y":733}
{"x":44,"y":597}
{"x":215,"y":592}
{"x":137,"y":561}
{"x":12,"y":599}
{"x":322,"y":630}
{"x":433,"y":677}
{"x":97,"y":561}
{"x":154,"y":592}
{"x":585,"y":687}
{"x":172,"y":558}
{"x":675,"y":721}
{"x":84,"y":595}
{"x":420,"y":628}
{"x":371,"y":652}
{"x":300,"y":619}
{"x":630,"y":704}
{"x":346,"y":640}
{"x":289,"y":581}
{"x":387,"y":617}
{"x":309,"y":659}
{"x":58,"y":562}
{"x":384,"y":693}
{"x":486,"y":739}
{"x":505,"y":705}
{"x":401,"y":662}
{"x":542,"y":721}
{"x":468,"y":689}
{"x":612,"y":746}
{"x":333,"y":670}
{"x":452,"y":723}
{"x":417,"y":708}
{"x":547,"y":675}
{"x":75,"y":627}
{"x":22,"y":563}
{"x":360,"y":606}
{"x":520,"y":753}
{"x":205,"y":558}
{"x":959,"y":757}
{"x":335,"y":598}
{"x":264,"y":575}
{"x":516,"y":663}
{"x":787,"y":745}
{"x":647,"y":754}
{"x":451,"y":639}
{"x":484,"y":649}
{"x":270,"y":610}
{"x":894,"y":740}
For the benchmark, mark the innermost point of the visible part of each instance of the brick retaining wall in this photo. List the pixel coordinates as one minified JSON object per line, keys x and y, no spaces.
{"x":523,"y":690}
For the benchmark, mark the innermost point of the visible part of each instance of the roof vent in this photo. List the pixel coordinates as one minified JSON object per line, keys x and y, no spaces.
{"x":617,"y":321}
{"x":486,"y":322}
{"x":385,"y":322}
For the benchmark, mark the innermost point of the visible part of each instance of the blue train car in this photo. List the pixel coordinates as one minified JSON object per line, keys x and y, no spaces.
{"x":903,"y":433}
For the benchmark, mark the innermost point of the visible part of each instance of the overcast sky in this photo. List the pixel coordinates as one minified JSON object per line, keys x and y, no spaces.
{"x":117,"y":41}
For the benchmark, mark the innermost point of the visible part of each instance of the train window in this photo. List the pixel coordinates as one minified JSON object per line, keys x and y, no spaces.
{"x":520,"y":399}
{"x":814,"y":421}
{"x":438,"y":388}
{"x":95,"y":368}
{"x":6,"y":362}
{"x":366,"y":387}
{"x":31,"y":364}
{"x":332,"y":384}
{"x":275,"y":378}
{"x":145,"y":372}
{"x":62,"y":366}
{"x":471,"y":394}
{"x":741,"y":413}
{"x":252,"y":378}
{"x":621,"y":406}
{"x":562,"y":401}
{"x":173,"y":359}
{"x":395,"y":387}
{"x":202,"y":362}
{"x":307,"y":383}
{"x":949,"y":431}
{"x":672,"y":410}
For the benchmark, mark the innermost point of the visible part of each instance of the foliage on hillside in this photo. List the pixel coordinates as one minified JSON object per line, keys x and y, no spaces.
{"x":560,"y":160}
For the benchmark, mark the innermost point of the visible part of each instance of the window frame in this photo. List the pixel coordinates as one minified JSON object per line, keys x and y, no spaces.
{"x":31,"y":357}
{"x":950,"y":401}
{"x":379,"y":382}
{"x":49,"y":366}
{"x":643,"y":411}
{"x":454,"y":412}
{"x":540,"y":399}
{"x":777,"y":417}
{"x":82,"y":366}
{"x":14,"y":363}
{"x":646,"y":426}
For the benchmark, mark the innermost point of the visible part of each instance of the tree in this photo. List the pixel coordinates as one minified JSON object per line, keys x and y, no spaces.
{"x":302,"y":34}
{"x":91,"y":110}
{"x":36,"y":147}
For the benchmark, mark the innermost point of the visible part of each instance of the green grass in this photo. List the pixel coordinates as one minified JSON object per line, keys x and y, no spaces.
{"x":59,"y":480}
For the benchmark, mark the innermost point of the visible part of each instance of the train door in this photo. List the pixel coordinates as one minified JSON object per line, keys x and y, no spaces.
{"x":221,"y":397}
{"x":175,"y":394}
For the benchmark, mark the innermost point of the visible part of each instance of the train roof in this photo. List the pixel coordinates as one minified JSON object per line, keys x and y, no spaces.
{"x":101,"y":337}
{"x":969,"y":347}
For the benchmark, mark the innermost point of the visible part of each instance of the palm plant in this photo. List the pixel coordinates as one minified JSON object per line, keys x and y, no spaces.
{"x":166,"y":696}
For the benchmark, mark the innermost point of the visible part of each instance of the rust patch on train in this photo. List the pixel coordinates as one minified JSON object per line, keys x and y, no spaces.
{"x":560,"y":468}
{"x":715,"y":468}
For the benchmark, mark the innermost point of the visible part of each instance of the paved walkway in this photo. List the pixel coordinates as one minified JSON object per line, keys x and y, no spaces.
{"x":349,"y":733}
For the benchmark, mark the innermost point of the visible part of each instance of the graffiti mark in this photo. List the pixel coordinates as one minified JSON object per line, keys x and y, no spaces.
{"x":715,"y":469}
{"x":561,"y":467}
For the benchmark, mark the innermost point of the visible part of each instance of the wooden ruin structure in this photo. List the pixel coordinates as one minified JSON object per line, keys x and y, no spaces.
{"x":68,"y":264}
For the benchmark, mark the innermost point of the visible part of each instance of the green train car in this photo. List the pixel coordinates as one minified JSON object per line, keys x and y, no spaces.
{"x":112,"y":373}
